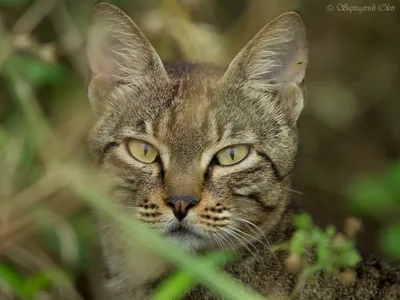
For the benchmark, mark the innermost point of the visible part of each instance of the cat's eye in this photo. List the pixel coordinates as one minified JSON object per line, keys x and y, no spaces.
{"x":232,"y":155}
{"x":142,"y":151}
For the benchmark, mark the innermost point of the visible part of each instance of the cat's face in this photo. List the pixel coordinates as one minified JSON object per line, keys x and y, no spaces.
{"x":203,"y":156}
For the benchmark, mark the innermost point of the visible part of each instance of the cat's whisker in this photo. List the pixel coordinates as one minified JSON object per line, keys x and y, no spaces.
{"x":248,"y":235}
{"x":240,"y":233}
{"x":295,"y":191}
{"x":218,"y":241}
{"x":227,"y":243}
{"x":167,"y":225}
{"x":230,"y":243}
{"x":249,"y":223}
{"x":241,"y":240}
{"x":220,"y":245}
{"x":252,"y":225}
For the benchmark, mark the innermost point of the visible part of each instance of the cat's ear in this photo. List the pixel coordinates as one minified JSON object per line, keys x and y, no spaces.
{"x":275,"y":60}
{"x":119,"y":54}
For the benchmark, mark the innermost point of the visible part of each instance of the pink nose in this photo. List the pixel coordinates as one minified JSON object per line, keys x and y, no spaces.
{"x":180,"y":205}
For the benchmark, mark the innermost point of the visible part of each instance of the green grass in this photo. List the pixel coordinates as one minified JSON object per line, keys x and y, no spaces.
{"x":35,"y":171}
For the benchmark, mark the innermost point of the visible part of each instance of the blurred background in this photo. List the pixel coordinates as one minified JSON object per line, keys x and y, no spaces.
{"x":349,"y":157}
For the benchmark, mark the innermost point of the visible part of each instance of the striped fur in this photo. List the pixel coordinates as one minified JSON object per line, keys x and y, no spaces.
{"x":189,"y":112}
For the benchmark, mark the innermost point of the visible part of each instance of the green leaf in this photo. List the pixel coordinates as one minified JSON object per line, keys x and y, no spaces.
{"x":14,"y":280}
{"x":348,"y":258}
{"x":392,"y":179}
{"x":344,"y":246}
{"x":303,"y":221}
{"x":312,"y":269}
{"x":37,"y":283}
{"x":180,"y":282}
{"x":174,"y":287}
{"x":389,"y":240}
{"x":330,"y":231}
{"x":86,"y":233}
{"x":36,"y":71}
{"x":323,"y":252}
{"x":316,"y":235}
{"x":369,"y":195}
{"x":297,"y":244}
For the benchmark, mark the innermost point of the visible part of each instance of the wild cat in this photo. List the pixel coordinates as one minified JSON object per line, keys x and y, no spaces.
{"x":205,"y":156}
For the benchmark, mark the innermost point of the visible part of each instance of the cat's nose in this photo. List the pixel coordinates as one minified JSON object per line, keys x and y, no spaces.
{"x":180,"y":205}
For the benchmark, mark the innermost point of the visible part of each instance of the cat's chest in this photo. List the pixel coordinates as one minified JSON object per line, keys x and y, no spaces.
{"x":140,"y":265}
{"x":131,"y":269}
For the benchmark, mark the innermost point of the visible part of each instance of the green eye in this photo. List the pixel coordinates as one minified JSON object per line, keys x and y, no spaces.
{"x":232,"y":154}
{"x":142,"y":151}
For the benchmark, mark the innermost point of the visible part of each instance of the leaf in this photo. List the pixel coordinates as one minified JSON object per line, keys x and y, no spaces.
{"x":303,"y":221}
{"x":85,"y":232}
{"x":177,"y":284}
{"x":330,"y":231}
{"x":36,"y":71}
{"x":14,"y":280}
{"x":369,"y":195}
{"x":37,"y":283}
{"x":297,"y":244}
{"x":389,"y":240}
{"x":348,"y":258}
{"x":174,"y":287}
{"x":344,"y":245}
{"x":392,"y":179}
{"x":323,"y":252}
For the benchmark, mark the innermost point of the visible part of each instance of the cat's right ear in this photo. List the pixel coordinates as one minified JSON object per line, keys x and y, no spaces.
{"x":120,"y":57}
{"x":275,"y":60}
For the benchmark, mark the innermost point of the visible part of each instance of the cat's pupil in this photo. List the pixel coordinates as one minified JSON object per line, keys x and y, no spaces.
{"x":145,"y":149}
{"x":232,"y":153}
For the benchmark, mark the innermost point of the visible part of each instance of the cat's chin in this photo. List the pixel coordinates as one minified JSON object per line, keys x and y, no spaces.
{"x":186,"y":237}
{"x":188,"y":243}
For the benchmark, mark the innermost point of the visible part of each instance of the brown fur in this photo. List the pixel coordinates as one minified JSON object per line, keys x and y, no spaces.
{"x":189,"y":113}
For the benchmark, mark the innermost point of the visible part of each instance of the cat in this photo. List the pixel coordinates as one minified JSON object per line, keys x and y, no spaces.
{"x":204,"y":155}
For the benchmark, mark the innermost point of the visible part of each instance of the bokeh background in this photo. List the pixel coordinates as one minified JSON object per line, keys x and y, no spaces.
{"x":349,"y":157}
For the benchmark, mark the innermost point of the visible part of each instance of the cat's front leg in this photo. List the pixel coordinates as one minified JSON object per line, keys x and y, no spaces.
{"x":117,"y":289}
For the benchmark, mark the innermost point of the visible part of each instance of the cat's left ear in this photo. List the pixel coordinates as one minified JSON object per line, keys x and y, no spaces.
{"x":119,"y":55}
{"x":275,"y":60}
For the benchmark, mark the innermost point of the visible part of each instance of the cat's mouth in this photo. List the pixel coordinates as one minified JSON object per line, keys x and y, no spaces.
{"x":182,"y":231}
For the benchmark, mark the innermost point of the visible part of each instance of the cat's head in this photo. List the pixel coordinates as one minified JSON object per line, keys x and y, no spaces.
{"x":202,"y":155}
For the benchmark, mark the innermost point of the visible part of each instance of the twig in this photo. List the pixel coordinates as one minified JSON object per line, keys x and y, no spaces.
{"x":33,"y":16}
{"x":23,"y":27}
{"x":41,"y":261}
{"x":71,"y":38}
{"x":40,"y":131}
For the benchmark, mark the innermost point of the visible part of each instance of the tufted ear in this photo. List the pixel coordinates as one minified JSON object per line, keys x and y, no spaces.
{"x":119,"y":55}
{"x":275,"y":60}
